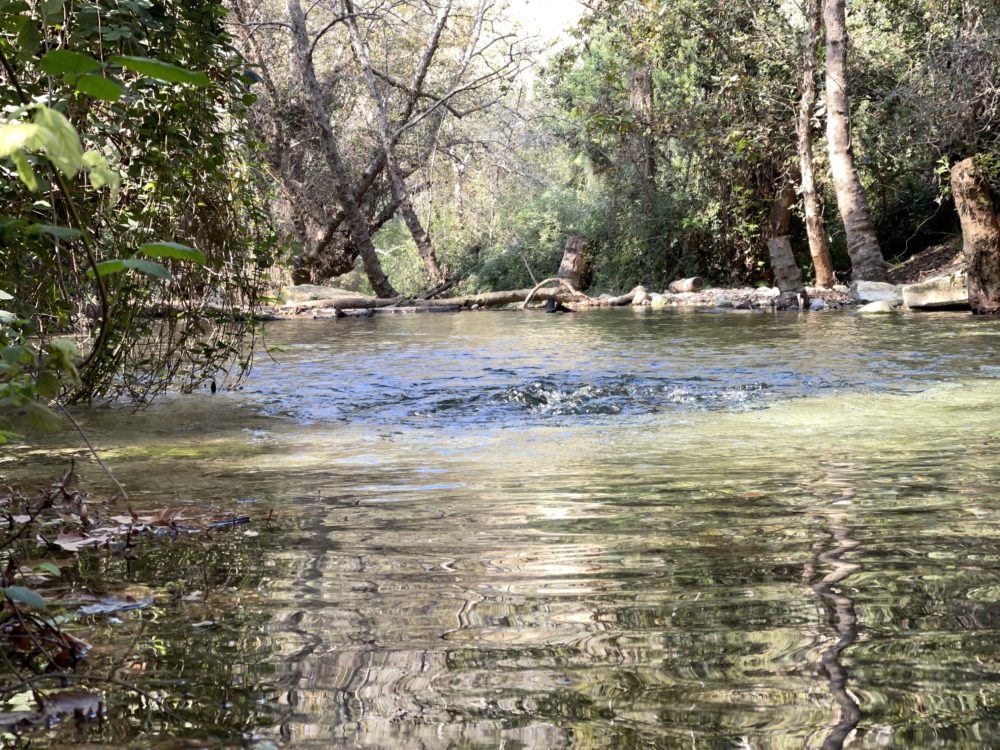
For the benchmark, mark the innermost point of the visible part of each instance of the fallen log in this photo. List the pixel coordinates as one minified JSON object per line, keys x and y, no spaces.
{"x":554,"y":280}
{"x":623,"y":301}
{"x":694,"y":284}
{"x":564,"y":293}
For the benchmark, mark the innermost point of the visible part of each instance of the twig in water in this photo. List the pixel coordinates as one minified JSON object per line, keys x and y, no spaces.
{"x":93,"y":450}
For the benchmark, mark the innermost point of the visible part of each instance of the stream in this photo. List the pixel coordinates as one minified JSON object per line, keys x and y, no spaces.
{"x":611,"y":529}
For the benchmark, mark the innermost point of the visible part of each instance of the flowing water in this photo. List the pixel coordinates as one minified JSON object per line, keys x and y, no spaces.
{"x":611,"y":529}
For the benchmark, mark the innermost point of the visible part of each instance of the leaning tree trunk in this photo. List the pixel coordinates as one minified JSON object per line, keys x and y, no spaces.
{"x":787,"y":276}
{"x":819,"y":247}
{"x":400,"y":192}
{"x":862,"y":243}
{"x":356,"y":222}
{"x":981,"y":235}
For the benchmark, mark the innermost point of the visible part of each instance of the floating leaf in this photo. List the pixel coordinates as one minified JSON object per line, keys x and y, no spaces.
{"x":59,"y":62}
{"x":99,"y":87}
{"x":81,"y":703}
{"x":173,"y":250}
{"x":25,"y":596}
{"x":74,"y":541}
{"x":161,"y":71}
{"x":109,"y":604}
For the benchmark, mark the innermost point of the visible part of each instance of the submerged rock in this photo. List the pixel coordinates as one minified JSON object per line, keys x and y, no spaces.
{"x":878,"y":308}
{"x":943,"y":291}
{"x":818,"y":305}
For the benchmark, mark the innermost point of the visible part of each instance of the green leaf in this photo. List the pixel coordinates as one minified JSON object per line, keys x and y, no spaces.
{"x":25,"y":596}
{"x":42,"y":417}
{"x":5,"y":295}
{"x":59,"y":139}
{"x":173,"y":250}
{"x":108,"y":267}
{"x":99,"y":87}
{"x":60,"y":233}
{"x":51,"y":568}
{"x":101,"y":174}
{"x":16,"y":135}
{"x":29,"y":39}
{"x":59,"y":62}
{"x":47,"y":385}
{"x":148,"y":267}
{"x":25,"y":171}
{"x":161,"y":71}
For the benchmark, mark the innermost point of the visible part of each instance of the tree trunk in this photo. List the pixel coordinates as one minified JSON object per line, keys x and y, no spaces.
{"x":356,"y":222}
{"x":400,"y":192}
{"x":981,"y":235}
{"x":819,"y":247}
{"x":571,"y":267}
{"x":862,"y":243}
{"x":787,"y":276}
{"x":641,"y":103}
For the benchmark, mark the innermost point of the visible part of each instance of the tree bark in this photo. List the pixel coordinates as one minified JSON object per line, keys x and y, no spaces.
{"x":787,"y":276}
{"x":571,"y":267}
{"x":356,"y":222}
{"x":641,"y":103}
{"x":400,"y":192}
{"x":981,"y":235}
{"x":819,"y":246}
{"x":867,"y":262}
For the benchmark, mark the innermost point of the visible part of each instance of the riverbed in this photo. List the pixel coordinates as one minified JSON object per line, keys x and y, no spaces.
{"x":618,"y":528}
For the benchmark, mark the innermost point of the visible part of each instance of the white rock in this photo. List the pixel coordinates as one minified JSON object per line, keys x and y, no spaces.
{"x":942,"y":291}
{"x":873,"y":291}
{"x":878,"y":308}
{"x":723,"y":300}
{"x":641,"y":297}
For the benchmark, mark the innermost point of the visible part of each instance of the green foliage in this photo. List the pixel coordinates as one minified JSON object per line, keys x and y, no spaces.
{"x":122,"y":150}
{"x":29,"y":371}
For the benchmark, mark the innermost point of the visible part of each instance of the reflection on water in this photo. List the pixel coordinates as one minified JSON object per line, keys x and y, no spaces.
{"x":602,"y":530}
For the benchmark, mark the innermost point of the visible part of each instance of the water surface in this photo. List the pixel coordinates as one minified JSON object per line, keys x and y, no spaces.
{"x":601,"y":530}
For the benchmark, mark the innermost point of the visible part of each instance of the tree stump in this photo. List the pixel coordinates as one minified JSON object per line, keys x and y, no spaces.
{"x":571,"y":267}
{"x":980,"y":234}
{"x":787,"y":275}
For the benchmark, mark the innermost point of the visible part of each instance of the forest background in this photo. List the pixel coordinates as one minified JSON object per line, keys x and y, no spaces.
{"x":168,"y":165}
